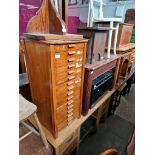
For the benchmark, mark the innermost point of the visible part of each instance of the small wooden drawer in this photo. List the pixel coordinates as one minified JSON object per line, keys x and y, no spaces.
{"x":64,"y":61}
{"x":70,"y":140}
{"x":70,"y":148}
{"x":75,"y":46}
{"x":68,"y":74}
{"x":58,"y":48}
{"x":65,"y":97}
{"x":67,"y":119}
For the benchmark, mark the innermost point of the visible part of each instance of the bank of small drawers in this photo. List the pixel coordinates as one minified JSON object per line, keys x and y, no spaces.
{"x":68,"y":64}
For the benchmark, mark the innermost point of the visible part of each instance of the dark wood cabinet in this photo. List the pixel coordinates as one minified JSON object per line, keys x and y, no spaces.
{"x":96,"y":44}
{"x":94,"y":70}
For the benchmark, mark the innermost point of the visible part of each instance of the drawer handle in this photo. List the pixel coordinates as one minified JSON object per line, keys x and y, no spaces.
{"x":77,"y":81}
{"x":71,"y":52}
{"x":78,"y":71}
{"x":71,"y":66}
{"x":78,"y":52}
{"x":71,"y":72}
{"x":69,"y":115}
{"x":70,"y":102}
{"x":70,"y":110}
{"x":70,"y":106}
{"x":71,"y":59}
{"x":71,"y":77}
{"x":70,"y":87}
{"x":78,"y":65}
{"x":70,"y":82}
{"x":71,"y":45}
{"x":71,"y":92}
{"x":70,"y":97}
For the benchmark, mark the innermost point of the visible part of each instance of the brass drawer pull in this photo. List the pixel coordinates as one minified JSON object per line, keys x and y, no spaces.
{"x":70,"y":102}
{"x":77,"y":81}
{"x":71,"y":66}
{"x":71,"y":45}
{"x":71,"y":72}
{"x":69,"y":115}
{"x":78,"y":52}
{"x":70,"y":82}
{"x":70,"y":106}
{"x":70,"y":97}
{"x":70,"y":87}
{"x":71,"y":59}
{"x":71,"y":52}
{"x":78,"y":70}
{"x":71,"y":77}
{"x":78,"y":65}
{"x":70,"y":110}
{"x":71,"y":92}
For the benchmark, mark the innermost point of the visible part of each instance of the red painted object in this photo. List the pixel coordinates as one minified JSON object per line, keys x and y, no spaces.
{"x":73,"y":23}
{"x":28,"y":9}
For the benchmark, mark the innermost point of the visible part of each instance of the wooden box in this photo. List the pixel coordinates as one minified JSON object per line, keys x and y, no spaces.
{"x":96,"y":44}
{"x":124,"y":35}
{"x":56,"y":73}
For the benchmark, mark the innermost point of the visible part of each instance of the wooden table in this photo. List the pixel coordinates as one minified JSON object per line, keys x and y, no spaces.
{"x":74,"y":128}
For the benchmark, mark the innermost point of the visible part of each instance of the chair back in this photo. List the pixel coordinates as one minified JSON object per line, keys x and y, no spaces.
{"x":96,"y":8}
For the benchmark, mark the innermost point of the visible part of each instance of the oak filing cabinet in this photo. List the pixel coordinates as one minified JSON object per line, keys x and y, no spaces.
{"x":56,"y":73}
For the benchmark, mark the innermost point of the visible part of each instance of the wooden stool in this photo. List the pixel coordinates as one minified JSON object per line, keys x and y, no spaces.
{"x":110,"y":151}
{"x":26,"y":110}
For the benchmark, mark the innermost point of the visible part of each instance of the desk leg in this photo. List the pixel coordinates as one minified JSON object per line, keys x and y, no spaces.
{"x":78,"y":142}
{"x":98,"y":117}
{"x":116,"y":74}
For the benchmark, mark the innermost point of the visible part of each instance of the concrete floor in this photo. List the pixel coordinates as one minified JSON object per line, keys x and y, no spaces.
{"x":115,"y":131}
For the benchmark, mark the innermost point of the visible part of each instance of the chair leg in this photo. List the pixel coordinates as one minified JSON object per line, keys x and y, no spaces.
{"x":115,"y":38}
{"x":109,"y":39}
{"x":41,"y":131}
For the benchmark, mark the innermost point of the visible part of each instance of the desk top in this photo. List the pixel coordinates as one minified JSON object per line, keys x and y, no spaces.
{"x":125,"y":47}
{"x":98,"y":64}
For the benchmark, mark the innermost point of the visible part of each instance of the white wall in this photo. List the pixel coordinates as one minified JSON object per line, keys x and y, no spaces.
{"x":81,"y":11}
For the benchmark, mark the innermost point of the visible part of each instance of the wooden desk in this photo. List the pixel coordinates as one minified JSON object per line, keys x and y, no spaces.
{"x":72,"y":132}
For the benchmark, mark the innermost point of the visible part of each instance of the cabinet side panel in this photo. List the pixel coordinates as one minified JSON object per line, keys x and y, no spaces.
{"x":39,"y":72}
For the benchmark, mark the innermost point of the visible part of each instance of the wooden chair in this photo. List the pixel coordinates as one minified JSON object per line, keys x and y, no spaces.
{"x":110,"y":151}
{"x":26,"y":110}
{"x":95,"y":15}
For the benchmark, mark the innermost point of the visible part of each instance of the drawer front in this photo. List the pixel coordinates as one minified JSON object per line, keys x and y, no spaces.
{"x":68,"y":142}
{"x":71,"y":147}
{"x":67,"y":122}
{"x":68,"y":111}
{"x":70,"y":90}
{"x":68,"y":63}
{"x":67,"y":75}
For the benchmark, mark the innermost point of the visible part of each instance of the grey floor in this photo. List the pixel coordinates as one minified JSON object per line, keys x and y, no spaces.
{"x":115,"y":131}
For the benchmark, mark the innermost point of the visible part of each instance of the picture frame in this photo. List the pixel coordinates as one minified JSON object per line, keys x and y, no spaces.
{"x":72,"y":2}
